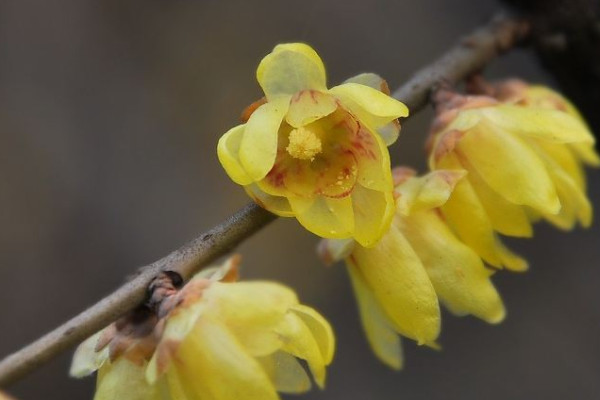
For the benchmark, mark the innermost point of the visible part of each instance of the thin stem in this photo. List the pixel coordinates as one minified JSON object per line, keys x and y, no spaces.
{"x":469,"y":56}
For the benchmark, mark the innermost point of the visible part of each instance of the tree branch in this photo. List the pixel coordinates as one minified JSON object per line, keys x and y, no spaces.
{"x":470,"y":55}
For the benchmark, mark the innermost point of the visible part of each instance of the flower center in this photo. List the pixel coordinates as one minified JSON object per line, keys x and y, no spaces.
{"x":304,"y":144}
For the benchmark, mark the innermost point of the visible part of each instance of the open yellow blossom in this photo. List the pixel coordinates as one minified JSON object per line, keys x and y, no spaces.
{"x":511,"y":176}
{"x":314,"y":153}
{"x":213,"y":339}
{"x":418,"y":263}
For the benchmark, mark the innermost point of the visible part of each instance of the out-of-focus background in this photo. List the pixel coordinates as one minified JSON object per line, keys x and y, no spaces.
{"x":109,"y":116}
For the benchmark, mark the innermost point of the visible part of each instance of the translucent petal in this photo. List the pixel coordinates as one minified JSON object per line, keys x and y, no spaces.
{"x":565,"y":157}
{"x":369,"y":105}
{"x":228,"y":152}
{"x":123,"y":380}
{"x":308,"y":106}
{"x":258,"y":146}
{"x":468,"y":218}
{"x":371,"y":80}
{"x":276,"y":204}
{"x":325,"y":217}
{"x":509,"y":167}
{"x":285,"y":372}
{"x":384,"y":341}
{"x":373,"y":158}
{"x":86,"y":360}
{"x":457,"y":273}
{"x":400,"y":284}
{"x":546,"y":124}
{"x":299,"y":342}
{"x":427,"y":192}
{"x":290,"y":68}
{"x":212,"y":364}
{"x":373,"y":213}
{"x":507,"y":218}
{"x":251,"y":311}
{"x":320,"y":328}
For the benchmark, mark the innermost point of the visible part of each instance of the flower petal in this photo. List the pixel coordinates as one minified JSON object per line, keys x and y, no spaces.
{"x":86,"y":359}
{"x":373,"y":158}
{"x":278,"y":205}
{"x":285,"y":372}
{"x":373,"y":213}
{"x":507,"y":218}
{"x":427,"y":192}
{"x":251,"y":311}
{"x":457,"y":273}
{"x":325,"y":217}
{"x":258,"y":146}
{"x":299,"y":342}
{"x":123,"y":380}
{"x":509,"y":167}
{"x":334,"y":250}
{"x":228,"y":151}
{"x":384,"y":341}
{"x":308,"y":106}
{"x":214,"y":365}
{"x":320,"y":328}
{"x":546,"y":124}
{"x":400,"y":284}
{"x":369,"y":105}
{"x":290,"y":68}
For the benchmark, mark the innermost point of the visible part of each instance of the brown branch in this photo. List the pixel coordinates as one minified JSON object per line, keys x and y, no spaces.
{"x":470,"y":55}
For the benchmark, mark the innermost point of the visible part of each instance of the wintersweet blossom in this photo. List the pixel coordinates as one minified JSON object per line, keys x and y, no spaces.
{"x":511,"y":177}
{"x":566,"y":162}
{"x":212,"y":339}
{"x":314,"y":153}
{"x":418,"y":263}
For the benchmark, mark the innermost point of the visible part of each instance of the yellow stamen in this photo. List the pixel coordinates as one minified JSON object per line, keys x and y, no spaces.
{"x":304,"y":144}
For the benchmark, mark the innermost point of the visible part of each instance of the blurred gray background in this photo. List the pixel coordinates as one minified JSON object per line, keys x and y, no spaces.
{"x":109,"y":114}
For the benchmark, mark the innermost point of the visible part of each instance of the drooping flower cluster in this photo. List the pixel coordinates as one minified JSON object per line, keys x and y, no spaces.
{"x":315,"y":153}
{"x":522,"y":164}
{"x":419,"y":263}
{"x":213,"y":339}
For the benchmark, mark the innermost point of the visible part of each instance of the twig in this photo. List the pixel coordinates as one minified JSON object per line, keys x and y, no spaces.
{"x":470,"y":55}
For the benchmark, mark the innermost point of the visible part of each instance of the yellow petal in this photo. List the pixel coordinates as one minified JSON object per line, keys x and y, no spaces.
{"x":320,"y":328}
{"x":369,"y":105}
{"x":400,"y":284}
{"x":278,"y":205}
{"x":373,"y":213}
{"x":258,"y":146}
{"x":228,"y":151}
{"x":565,"y":157}
{"x":457,"y":273}
{"x":374,"y":169}
{"x":325,"y":217}
{"x":509,"y":167}
{"x":86,"y":360}
{"x":123,"y":380}
{"x":285,"y":372}
{"x":546,"y":124}
{"x":290,"y":68}
{"x":384,"y":341}
{"x":212,"y":364}
{"x":251,"y":310}
{"x":308,"y":106}
{"x":371,"y":80}
{"x":586,"y":153}
{"x":299,"y":342}
{"x":507,"y":218}
{"x":427,"y":192}
{"x":468,"y":218}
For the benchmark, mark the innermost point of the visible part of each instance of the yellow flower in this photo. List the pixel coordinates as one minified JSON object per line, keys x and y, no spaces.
{"x":511,"y":177}
{"x":315,"y":153}
{"x":418,"y":262}
{"x":213,"y":339}
{"x":565,"y":161}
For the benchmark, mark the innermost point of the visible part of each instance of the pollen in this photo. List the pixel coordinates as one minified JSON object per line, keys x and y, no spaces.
{"x":304,"y":144}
